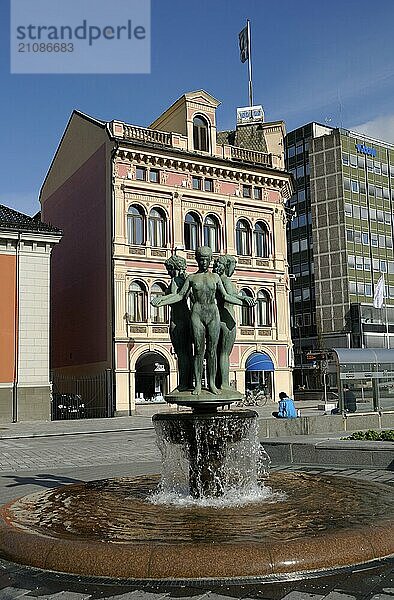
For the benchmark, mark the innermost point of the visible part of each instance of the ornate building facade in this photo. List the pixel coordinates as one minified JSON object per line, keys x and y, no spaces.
{"x":127,"y":198}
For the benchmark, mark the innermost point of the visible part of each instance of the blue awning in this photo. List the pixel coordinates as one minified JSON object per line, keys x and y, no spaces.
{"x":259,"y":361}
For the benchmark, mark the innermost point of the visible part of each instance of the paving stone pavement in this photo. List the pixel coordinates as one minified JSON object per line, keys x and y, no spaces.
{"x":30,"y":464}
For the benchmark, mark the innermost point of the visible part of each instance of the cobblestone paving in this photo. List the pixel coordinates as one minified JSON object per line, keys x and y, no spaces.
{"x":31,"y":464}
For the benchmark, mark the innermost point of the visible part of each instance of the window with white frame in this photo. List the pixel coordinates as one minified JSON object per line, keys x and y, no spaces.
{"x":136,"y":225}
{"x":137,"y":302}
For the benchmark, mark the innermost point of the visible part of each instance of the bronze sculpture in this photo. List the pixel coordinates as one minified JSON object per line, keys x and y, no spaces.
{"x":180,"y":325}
{"x":224,"y":266}
{"x":205,"y":287}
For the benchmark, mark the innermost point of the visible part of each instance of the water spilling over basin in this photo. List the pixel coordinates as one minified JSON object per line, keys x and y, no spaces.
{"x":112,"y":528}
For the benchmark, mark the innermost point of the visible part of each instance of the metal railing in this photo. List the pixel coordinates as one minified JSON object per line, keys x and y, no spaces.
{"x":83,"y":397}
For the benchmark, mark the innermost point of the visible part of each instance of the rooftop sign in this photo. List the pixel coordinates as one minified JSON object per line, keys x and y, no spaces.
{"x":250,"y":114}
{"x":366,"y":150}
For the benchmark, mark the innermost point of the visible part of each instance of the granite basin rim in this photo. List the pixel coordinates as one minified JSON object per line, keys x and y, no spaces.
{"x":157,"y":560}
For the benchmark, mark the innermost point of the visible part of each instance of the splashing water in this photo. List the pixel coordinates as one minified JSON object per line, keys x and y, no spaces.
{"x":218,"y":457}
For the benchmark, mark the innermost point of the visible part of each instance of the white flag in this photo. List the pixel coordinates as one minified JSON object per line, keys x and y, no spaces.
{"x":379,"y":293}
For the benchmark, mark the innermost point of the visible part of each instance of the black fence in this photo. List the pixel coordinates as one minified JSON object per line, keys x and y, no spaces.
{"x":86,"y":397}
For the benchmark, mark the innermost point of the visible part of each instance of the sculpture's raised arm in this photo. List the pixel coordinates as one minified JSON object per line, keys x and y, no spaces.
{"x":232,"y":299}
{"x":172,"y":298}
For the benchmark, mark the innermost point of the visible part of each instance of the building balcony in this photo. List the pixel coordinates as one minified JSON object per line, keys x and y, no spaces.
{"x":144,"y":135}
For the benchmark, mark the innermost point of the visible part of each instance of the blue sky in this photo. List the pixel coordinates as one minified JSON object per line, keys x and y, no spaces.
{"x":313,"y":60}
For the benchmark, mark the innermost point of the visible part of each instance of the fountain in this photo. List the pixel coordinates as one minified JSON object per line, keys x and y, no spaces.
{"x":214,"y":514}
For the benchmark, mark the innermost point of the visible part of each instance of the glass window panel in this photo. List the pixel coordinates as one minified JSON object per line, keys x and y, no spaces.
{"x":243,"y":238}
{"x":247,"y":191}
{"x":356,"y":212}
{"x":363,"y":189}
{"x":135,"y":225}
{"x":380,"y":216}
{"x":382,"y":241}
{"x":357,"y":237}
{"x":367,"y":264}
{"x":350,"y":235}
{"x":351,"y":261}
{"x":345,"y":158}
{"x":261,"y":237}
{"x":372,"y":214}
{"x":359,"y":263}
{"x":158,"y":314}
{"x":211,"y":233}
{"x":353,"y":160}
{"x":374,"y":240}
{"x":389,"y":241}
{"x":291,"y":151}
{"x":154,"y":176}
{"x":364,"y":213}
{"x":348,"y":210}
{"x":200,"y":134}
{"x":385,"y":169}
{"x":354,"y":186}
{"x":208,"y":185}
{"x":140,"y":173}
{"x":303,"y":244}
{"x":247,"y":312}
{"x":257,"y":193}
{"x":346,"y":183}
{"x":295,"y":246}
{"x":196,"y":183}
{"x":263,"y":309}
{"x":365,"y":238}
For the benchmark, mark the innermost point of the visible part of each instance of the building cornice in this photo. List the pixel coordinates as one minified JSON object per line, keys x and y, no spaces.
{"x":210,"y":166}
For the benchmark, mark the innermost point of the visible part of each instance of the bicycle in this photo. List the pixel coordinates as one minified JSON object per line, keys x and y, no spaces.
{"x":254,"y":398}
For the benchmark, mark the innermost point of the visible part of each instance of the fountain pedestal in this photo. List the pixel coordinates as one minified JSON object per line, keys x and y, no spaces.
{"x":206,"y":437}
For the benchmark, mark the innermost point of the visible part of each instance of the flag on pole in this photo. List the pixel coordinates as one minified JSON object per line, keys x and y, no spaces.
{"x":244,"y":44}
{"x":378,"y":297}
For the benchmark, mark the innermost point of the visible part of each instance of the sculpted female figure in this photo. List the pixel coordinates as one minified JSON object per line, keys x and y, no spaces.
{"x":205,"y":319}
{"x":180,"y":327}
{"x":224,"y":266}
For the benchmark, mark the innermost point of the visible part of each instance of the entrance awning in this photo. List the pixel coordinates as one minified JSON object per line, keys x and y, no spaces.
{"x":259,"y":361}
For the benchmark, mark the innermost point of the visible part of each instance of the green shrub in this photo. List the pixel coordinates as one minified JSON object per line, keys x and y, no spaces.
{"x":386,"y":435}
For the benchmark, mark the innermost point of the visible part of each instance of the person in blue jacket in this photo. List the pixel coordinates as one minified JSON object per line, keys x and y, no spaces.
{"x":287,"y":410}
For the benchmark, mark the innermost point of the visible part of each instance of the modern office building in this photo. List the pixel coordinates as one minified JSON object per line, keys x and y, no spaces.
{"x":25,"y":250}
{"x":129,"y":197}
{"x":340,"y":241}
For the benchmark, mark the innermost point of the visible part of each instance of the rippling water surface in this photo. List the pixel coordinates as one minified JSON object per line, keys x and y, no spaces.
{"x":291,"y":506}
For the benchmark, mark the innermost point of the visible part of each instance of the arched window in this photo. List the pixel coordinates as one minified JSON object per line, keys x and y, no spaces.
{"x":200,"y":134}
{"x":243,"y":238}
{"x":263,"y":309}
{"x":261,"y":239}
{"x":136,"y":225}
{"x":137,"y":302}
{"x":211,"y":233}
{"x":157,"y":228}
{"x":192,"y":231}
{"x":247,"y":312}
{"x":158,"y":314}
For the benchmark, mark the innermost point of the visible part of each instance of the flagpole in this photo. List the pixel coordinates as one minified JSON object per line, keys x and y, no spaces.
{"x":386,"y":315}
{"x":249,"y":65}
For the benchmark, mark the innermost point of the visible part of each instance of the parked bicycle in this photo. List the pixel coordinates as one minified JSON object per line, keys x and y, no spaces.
{"x":256,"y":397}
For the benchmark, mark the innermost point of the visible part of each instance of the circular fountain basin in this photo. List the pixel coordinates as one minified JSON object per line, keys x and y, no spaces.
{"x":111,"y":528}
